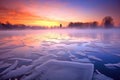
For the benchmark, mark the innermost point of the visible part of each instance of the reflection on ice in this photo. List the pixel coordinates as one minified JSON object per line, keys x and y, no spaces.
{"x":29,"y":54}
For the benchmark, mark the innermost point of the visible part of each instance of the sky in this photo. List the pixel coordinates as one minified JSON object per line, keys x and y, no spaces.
{"x":56,"y":12}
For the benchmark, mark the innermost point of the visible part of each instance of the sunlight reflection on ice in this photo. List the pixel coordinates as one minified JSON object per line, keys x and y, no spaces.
{"x":29,"y":49}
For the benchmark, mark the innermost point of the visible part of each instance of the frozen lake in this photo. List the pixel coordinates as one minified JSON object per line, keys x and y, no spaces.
{"x":27,"y":50}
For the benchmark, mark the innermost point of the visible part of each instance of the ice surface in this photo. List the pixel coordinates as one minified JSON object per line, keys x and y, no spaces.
{"x":43,"y":59}
{"x":102,"y":45}
{"x":73,"y":46}
{"x":84,"y":60}
{"x":64,"y":55}
{"x":4,"y":51}
{"x":81,"y":53}
{"x":61,"y":53}
{"x":1,"y":62}
{"x":21,"y":59}
{"x":93,"y":57}
{"x":62,"y":70}
{"x":17,"y":72}
{"x":24,"y":50}
{"x":10,"y":68}
{"x":6,"y":55}
{"x":11,"y":45}
{"x":99,"y":76}
{"x":117,"y":55}
{"x":4,"y":65}
{"x":113,"y":65}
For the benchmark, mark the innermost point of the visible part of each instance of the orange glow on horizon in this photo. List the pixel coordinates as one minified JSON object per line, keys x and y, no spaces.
{"x":45,"y":23}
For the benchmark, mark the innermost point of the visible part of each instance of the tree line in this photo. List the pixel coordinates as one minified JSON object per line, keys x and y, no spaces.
{"x":9,"y":26}
{"x":107,"y":22}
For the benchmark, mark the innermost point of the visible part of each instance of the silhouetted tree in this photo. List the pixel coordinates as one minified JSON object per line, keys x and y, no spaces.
{"x":60,"y":25}
{"x":0,"y":25}
{"x":108,"y":22}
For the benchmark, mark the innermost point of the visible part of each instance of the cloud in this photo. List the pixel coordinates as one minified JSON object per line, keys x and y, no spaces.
{"x":62,"y":11}
{"x":20,"y":17}
{"x":32,"y":11}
